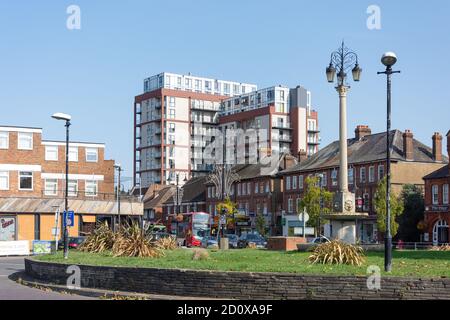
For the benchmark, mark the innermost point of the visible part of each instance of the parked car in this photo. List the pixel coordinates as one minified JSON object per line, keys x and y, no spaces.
{"x":257,"y":239}
{"x":155,"y":236}
{"x":320,"y":239}
{"x":209,"y":242}
{"x":233,"y":240}
{"x":74,"y":242}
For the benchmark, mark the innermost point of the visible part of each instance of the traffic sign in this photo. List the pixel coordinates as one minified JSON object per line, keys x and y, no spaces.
{"x":69,"y":218}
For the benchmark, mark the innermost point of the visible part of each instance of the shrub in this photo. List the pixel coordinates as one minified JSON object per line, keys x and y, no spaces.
{"x":337,"y":252}
{"x":441,"y":248}
{"x":131,"y":242}
{"x":168,"y":243}
{"x":102,"y":239}
{"x":200,"y":254}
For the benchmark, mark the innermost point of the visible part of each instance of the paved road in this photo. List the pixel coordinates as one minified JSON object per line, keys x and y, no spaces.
{"x":10,"y":290}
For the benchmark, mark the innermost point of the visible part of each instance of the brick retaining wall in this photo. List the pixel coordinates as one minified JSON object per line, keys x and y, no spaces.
{"x":240,"y":285}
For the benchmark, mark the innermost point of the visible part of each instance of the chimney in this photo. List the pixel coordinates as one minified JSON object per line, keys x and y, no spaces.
{"x":448,"y":144}
{"x":302,"y":156}
{"x":437,"y":147}
{"x":408,"y":145}
{"x":362,"y":131}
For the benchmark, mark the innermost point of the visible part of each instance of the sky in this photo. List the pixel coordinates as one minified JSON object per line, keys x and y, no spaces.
{"x":95,"y":72}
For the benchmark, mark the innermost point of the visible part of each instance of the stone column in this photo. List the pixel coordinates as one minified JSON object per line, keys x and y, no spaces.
{"x":343,"y":171}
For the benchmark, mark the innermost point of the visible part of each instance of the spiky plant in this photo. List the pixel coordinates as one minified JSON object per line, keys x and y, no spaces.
{"x":337,"y":252}
{"x":100,"y":240}
{"x":132,"y":242}
{"x":168,"y":243}
{"x":441,"y":248}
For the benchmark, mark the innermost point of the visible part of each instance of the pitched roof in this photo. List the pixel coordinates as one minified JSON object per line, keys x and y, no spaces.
{"x":367,"y":149}
{"x":159,"y":197}
{"x":40,"y":205}
{"x":443,"y":172}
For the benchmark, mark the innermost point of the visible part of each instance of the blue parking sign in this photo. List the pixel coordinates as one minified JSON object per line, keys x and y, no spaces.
{"x":69,"y":218}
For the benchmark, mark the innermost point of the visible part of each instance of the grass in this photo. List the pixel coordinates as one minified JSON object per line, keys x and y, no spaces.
{"x":405,"y":263}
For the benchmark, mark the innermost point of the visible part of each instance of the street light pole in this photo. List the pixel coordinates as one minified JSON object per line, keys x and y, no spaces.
{"x":119,"y":169}
{"x":388,"y":59}
{"x":66,"y":118}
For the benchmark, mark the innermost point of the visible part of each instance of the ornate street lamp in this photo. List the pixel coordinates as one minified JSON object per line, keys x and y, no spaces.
{"x":342,"y":61}
{"x":388,"y":60}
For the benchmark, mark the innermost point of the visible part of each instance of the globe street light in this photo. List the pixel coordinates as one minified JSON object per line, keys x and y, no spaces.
{"x":66,"y":118}
{"x":388,"y":59}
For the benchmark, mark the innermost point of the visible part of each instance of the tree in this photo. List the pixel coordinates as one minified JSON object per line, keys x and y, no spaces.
{"x":260,"y":224}
{"x":313,"y":197}
{"x":413,"y":213}
{"x":227,"y":206}
{"x":380,"y":208}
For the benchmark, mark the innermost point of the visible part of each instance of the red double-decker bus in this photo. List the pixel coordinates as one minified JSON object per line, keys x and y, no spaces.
{"x":194,"y":227}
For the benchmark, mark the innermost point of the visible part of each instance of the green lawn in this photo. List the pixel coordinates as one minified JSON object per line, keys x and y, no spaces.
{"x":405,"y":263}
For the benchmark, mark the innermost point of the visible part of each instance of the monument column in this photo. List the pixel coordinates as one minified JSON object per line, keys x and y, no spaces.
{"x":343,"y":170}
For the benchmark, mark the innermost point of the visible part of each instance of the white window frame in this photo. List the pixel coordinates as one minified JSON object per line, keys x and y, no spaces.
{"x":5,"y":174}
{"x":300,"y":182}
{"x":294,"y":183}
{"x":445,"y":194}
{"x":362,"y":177}
{"x":290,"y":205}
{"x":47,"y":150}
{"x":70,"y":193}
{"x":91,"y":151}
{"x":49,"y":192}
{"x":90,"y":183}
{"x":72,"y":151}
{"x":371,"y":174}
{"x":288,"y":183}
{"x":380,"y":167}
{"x":435,"y":193}
{"x":4,"y":135}
{"x":20,"y":174}
{"x":267,"y":187}
{"x":21,"y":136}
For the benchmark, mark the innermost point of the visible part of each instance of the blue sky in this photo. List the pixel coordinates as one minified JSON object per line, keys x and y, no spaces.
{"x":94,"y":73}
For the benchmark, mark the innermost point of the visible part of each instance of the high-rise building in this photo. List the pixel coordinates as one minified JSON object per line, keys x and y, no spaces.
{"x":177,"y":117}
{"x":164,"y":125}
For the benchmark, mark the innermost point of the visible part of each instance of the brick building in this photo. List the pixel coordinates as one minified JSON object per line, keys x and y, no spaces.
{"x":32,"y":184}
{"x":258,"y":191}
{"x":411,"y":160}
{"x":437,"y":212}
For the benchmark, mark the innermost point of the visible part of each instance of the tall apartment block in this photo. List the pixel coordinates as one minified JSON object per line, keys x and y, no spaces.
{"x":286,"y":115}
{"x":177,"y":115}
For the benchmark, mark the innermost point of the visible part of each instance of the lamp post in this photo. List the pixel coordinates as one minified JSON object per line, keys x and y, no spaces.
{"x":118,"y":167}
{"x":177,"y":200}
{"x":66,"y":118}
{"x":341,"y":61}
{"x":388,"y":59}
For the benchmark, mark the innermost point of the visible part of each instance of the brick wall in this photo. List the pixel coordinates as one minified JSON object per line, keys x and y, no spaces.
{"x":241,"y":285}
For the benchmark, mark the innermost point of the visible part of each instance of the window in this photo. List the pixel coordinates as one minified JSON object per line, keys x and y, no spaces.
{"x":294,"y":182}
{"x":366,"y":202}
{"x":300,"y":182}
{"x":288,"y":183}
{"x":209,"y":192}
{"x":267,"y":187}
{"x":4,"y":180}
{"x":51,"y":153}
{"x":249,"y":188}
{"x":334,"y":178}
{"x":380,"y":172}
{"x":91,"y":188}
{"x":324,"y":179}
{"x":51,"y":187}
{"x":297,"y":206}
{"x":171,"y":113}
{"x":25,"y":180}
{"x":445,"y":194}
{"x":362,"y":175}
{"x":172,"y":127}
{"x":290,"y":205}
{"x":435,"y":193}
{"x":371,"y":174}
{"x":91,"y":155}
{"x":256,"y":187}
{"x":239,"y":190}
{"x":73,"y":188}
{"x":350,"y":176}
{"x":4,"y":140}
{"x":25,"y":141}
{"x":73,"y":154}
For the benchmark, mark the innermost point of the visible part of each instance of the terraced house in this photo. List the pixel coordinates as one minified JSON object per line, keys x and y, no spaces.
{"x":411,"y":161}
{"x":32,"y":184}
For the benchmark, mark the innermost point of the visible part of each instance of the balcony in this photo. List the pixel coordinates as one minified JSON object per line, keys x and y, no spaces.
{"x":282,"y":138}
{"x":313,"y":130}
{"x":281,"y":125}
{"x":313,"y":142}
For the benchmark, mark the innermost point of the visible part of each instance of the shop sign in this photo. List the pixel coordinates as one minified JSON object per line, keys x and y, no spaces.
{"x":7,"y":228}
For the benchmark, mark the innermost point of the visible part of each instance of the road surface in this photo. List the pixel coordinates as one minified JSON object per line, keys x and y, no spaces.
{"x":11,"y":290}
